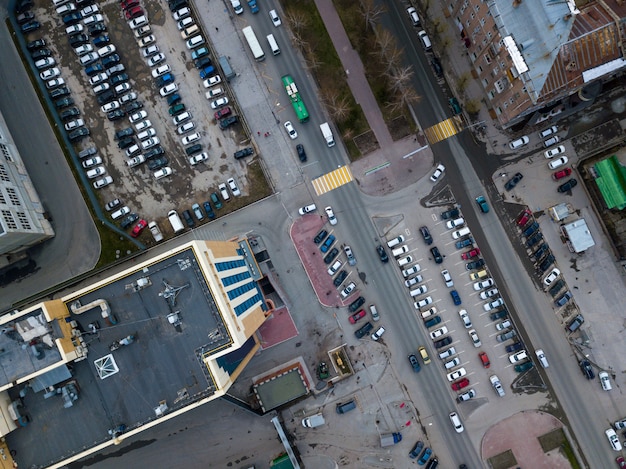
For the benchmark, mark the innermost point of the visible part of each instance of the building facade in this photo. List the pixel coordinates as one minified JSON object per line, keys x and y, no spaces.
{"x":22,"y":221}
{"x":531,"y":55}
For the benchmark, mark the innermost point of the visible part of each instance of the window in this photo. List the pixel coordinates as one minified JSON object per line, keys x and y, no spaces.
{"x":487,"y":58}
{"x":5,"y":152}
{"x":485,"y":83}
{"x":473,"y":56}
{"x":4,"y":175}
{"x":21,"y":216}
{"x":8,"y":218}
{"x":489,"y":35}
{"x":13,"y":196}
{"x":491,"y":94}
{"x":480,"y":69}
{"x":472,"y":15}
{"x":501,"y":85}
{"x":498,"y":110}
{"x":482,"y":21}
{"x":476,"y":7}
{"x":3,"y":201}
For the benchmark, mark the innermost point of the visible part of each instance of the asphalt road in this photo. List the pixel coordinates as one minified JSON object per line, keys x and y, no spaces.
{"x":76,"y":247}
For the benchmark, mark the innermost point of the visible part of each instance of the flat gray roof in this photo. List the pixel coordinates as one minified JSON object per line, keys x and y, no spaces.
{"x":162,"y":364}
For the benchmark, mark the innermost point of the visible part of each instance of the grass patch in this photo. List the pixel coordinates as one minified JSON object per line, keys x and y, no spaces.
{"x":556,"y":439}
{"x":503,"y":460}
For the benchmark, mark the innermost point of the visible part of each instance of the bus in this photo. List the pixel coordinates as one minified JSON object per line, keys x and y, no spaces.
{"x":253,"y":42}
{"x":296,"y":99}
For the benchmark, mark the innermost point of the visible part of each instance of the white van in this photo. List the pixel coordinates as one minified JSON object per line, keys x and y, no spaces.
{"x":175,"y":221}
{"x":313,"y":421}
{"x":273,"y":44}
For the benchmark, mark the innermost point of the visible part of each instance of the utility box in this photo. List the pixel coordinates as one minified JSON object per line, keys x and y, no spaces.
{"x":390,"y":439}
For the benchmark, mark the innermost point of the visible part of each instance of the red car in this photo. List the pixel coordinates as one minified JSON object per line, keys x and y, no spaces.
{"x":469,"y":254}
{"x":524,"y":217}
{"x":484,"y":359}
{"x":620,"y":462}
{"x":129,"y":4}
{"x":562,"y":173}
{"x":460,"y":384}
{"x":134,"y":12}
{"x":138,"y":228}
{"x":356,"y":316}
{"x":222,"y":113}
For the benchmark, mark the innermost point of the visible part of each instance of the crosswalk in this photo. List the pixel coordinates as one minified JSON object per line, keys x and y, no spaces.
{"x":444,"y":129}
{"x":332,"y":180}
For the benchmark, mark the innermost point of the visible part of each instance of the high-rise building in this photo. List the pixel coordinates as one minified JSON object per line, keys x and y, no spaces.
{"x":532,"y":55}
{"x":22,"y":220}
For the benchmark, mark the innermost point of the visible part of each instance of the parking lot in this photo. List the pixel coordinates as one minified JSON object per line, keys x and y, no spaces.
{"x":138,"y":187}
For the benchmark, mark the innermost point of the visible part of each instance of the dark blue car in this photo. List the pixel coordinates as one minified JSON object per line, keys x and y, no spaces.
{"x":414,"y":363}
{"x":165,"y":79}
{"x":206,"y":72}
{"x":455,"y":297}
{"x":209,"y":211}
{"x":329,"y":241}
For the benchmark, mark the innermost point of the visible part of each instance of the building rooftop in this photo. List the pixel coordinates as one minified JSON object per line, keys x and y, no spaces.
{"x":125,"y":384}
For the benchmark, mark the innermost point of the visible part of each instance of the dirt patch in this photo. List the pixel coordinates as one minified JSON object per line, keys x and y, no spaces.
{"x":552,"y":440}
{"x":366,"y":142}
{"x":503,"y":460}
{"x":399,"y":128}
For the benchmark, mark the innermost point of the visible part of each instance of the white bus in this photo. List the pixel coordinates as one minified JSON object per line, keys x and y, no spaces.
{"x":253,"y":42}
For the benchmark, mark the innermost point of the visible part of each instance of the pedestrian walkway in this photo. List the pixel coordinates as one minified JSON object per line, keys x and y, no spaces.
{"x":332,"y":180}
{"x":444,"y":129}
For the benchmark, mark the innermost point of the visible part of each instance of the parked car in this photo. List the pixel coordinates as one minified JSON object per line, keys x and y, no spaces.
{"x":511,"y":183}
{"x":439,"y":170}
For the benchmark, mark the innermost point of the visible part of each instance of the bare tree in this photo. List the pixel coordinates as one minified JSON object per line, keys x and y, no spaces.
{"x":400,"y":78}
{"x":297,"y":20}
{"x":371,"y":13}
{"x":392,"y":59}
{"x":298,"y":40}
{"x":311,"y":57}
{"x":385,"y":41}
{"x":338,"y":106}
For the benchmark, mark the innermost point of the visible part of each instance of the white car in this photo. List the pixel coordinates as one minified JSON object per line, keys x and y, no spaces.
{"x":108,"y":107}
{"x":520,"y":142}
{"x":549,"y":131}
{"x":194,"y":137}
{"x":413,"y":281}
{"x":151,"y":142}
{"x":613,"y":439}
{"x":542,"y":358}
{"x":88,"y":58}
{"x":95,"y":172}
{"x":186,"y":127}
{"x":552,"y":152}
{"x":106,"y":50}
{"x":518,"y":357}
{"x":456,"y":374}
{"x":213,"y":93}
{"x":93,"y":19}
{"x":128,"y":97}
{"x":130,"y":151}
{"x":102,"y":182}
{"x":275,"y":18}
{"x":184,"y":23}
{"x":199,"y":158}
{"x":438,"y":172}
{"x":143,"y":125}
{"x":493,"y":304}
{"x":98,"y":78}
{"x":161,"y":70}
{"x":551,"y":277}
{"x":76,"y":123}
{"x":467,"y":322}
{"x":454,"y":223}
{"x":488,"y":282}
{"x":233,"y":187}
{"x":307,"y":209}
{"x":218,"y":103}
{"x":331,"y":215}
{"x":423,"y":302}
{"x":146,"y":40}
{"x":122,"y":88}
{"x":497,"y":386}
{"x":84,"y":49}
{"x":290,"y":130}
{"x":223,"y":191}
{"x":420,"y":290}
{"x":168,"y":89}
{"x":212,"y":81}
{"x":551,"y":141}
{"x":485,"y":295}
{"x":503,"y":325}
{"x":89,"y":10}
{"x":150,"y":51}
{"x":346,"y":292}
{"x":74,"y":29}
{"x":138,"y":22}
{"x":332,"y":270}
{"x":438,"y":332}
{"x":136,"y":160}
{"x":156,"y":59}
{"x":138,"y":116}
{"x":101,"y":88}
{"x":474,"y":338}
{"x":146,"y":134}
{"x":411,"y":270}
{"x":182,"y":13}
{"x":163,"y":172}
{"x":558,"y":162}
{"x":447,"y":278}
{"x":120,"y":213}
{"x":55,"y":83}
{"x":50,"y":73}
{"x":605,"y":381}
{"x":93,"y":161}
